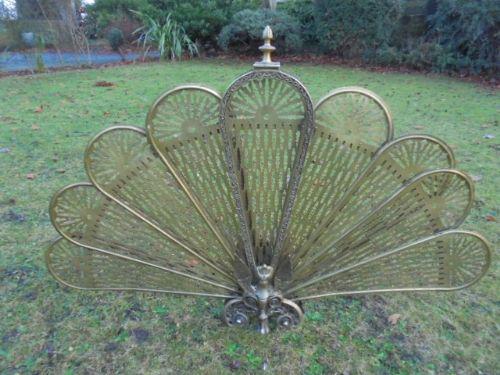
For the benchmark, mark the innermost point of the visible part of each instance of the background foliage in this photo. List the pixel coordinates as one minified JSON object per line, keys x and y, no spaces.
{"x":115,"y":38}
{"x":352,"y":28}
{"x":166,"y":35}
{"x":202,"y":19}
{"x":467,"y":33}
{"x":449,"y":35}
{"x":244,"y":33}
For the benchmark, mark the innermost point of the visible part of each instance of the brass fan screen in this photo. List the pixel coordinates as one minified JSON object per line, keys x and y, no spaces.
{"x":264,"y":199}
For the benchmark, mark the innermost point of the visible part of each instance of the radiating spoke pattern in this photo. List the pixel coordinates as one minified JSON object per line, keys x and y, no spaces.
{"x":90,"y":219}
{"x":197,"y":157}
{"x":267,"y":120}
{"x":268,"y":101}
{"x":183,"y":112}
{"x":350,"y":189}
{"x":336,"y":158}
{"x":356,"y":116}
{"x":431,"y":202}
{"x":82,"y":268}
{"x":143,"y":184}
{"x":450,"y":260}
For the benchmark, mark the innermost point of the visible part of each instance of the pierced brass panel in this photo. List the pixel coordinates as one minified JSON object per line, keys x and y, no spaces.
{"x":82,"y":268}
{"x":196,"y":154}
{"x":431,"y":202}
{"x":120,"y":163}
{"x":260,"y":197}
{"x":450,"y":260}
{"x":368,"y":184}
{"x":356,"y":116}
{"x":267,"y":122}
{"x":84,"y":216}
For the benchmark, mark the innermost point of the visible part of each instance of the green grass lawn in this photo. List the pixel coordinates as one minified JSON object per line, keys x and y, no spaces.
{"x":46,"y":121}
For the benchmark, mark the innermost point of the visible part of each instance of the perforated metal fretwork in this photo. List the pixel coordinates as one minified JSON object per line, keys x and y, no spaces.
{"x":262,"y":198}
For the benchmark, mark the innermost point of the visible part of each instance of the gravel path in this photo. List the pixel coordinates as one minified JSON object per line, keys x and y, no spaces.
{"x":15,"y":61}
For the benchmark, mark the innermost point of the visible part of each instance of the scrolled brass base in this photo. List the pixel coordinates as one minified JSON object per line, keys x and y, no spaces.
{"x":239,"y":311}
{"x":260,"y":298}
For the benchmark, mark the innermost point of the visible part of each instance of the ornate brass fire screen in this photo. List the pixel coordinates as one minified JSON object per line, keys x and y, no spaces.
{"x":264,"y":199}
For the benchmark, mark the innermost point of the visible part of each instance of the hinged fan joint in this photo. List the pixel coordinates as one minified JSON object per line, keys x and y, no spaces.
{"x":266,"y":200}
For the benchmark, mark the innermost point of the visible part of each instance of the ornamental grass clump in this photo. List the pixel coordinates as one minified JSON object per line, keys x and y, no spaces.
{"x":166,"y":35}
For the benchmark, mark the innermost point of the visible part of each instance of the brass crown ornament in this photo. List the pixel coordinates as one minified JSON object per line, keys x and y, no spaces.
{"x":264,"y":199}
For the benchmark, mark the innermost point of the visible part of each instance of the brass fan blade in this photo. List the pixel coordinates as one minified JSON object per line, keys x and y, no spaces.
{"x":356,"y":116}
{"x":182,"y":127}
{"x":363,"y":186}
{"x":82,"y":268}
{"x":267,"y":123}
{"x":183,"y":113}
{"x":446,"y":261}
{"x":431,"y":202}
{"x":120,"y":162}
{"x":351,"y":125}
{"x":88,"y":218}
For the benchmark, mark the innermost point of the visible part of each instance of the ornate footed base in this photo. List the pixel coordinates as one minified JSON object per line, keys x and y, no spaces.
{"x":239,"y":311}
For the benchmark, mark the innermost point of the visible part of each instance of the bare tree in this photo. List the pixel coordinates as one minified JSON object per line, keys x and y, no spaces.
{"x":271,"y":4}
{"x":57,"y":21}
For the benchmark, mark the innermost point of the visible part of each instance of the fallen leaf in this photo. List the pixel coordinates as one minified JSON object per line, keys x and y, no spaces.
{"x":35,"y":127}
{"x":319,"y":182}
{"x":104,"y":84}
{"x":61,"y":170}
{"x":106,"y":113}
{"x":394,"y":318}
{"x":31,"y":176}
{"x":490,"y":218}
{"x":39,"y":109}
{"x":193,"y":262}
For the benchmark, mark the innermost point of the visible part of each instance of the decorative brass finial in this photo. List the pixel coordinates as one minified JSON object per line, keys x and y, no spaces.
{"x":267,"y":49}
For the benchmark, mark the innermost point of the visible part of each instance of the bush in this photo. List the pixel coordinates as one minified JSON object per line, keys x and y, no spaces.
{"x":40,"y":47}
{"x":353,"y":28}
{"x":202,"y":19}
{"x":466,"y":34}
{"x":106,"y":11}
{"x":385,"y":55}
{"x":303,"y":12}
{"x":115,"y":38}
{"x":244,"y":33}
